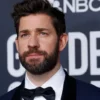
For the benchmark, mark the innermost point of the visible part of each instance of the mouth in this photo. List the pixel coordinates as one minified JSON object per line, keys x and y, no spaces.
{"x":34,"y":56}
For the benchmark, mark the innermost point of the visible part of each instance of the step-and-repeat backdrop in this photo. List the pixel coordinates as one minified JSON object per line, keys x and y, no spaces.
{"x":81,"y":57}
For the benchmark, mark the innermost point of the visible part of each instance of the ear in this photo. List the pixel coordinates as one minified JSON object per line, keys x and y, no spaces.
{"x":16,"y":43}
{"x":63,"y":41}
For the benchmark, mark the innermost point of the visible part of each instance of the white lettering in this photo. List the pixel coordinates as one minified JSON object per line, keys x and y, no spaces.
{"x":96,"y":83}
{"x":81,"y":6}
{"x":13,"y":85}
{"x":76,"y":6}
{"x":67,"y":4}
{"x":10,"y":59}
{"x":94,"y":53}
{"x":92,"y":8}
{"x":84,"y":53}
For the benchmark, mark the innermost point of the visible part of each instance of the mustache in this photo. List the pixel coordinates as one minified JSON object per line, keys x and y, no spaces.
{"x":34,"y":50}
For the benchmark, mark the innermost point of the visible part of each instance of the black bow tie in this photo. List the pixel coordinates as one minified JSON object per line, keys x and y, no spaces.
{"x":47,"y":93}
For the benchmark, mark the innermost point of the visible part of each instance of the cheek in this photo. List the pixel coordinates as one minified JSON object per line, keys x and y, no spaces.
{"x":22,"y":47}
{"x":48,"y":45}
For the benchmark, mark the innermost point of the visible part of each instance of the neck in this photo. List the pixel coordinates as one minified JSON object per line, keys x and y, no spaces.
{"x":39,"y":80}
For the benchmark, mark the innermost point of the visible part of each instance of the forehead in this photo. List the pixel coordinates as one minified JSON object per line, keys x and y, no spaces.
{"x":36,"y":21}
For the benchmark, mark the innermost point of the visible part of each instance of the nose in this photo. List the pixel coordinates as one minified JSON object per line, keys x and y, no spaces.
{"x":33,"y":41}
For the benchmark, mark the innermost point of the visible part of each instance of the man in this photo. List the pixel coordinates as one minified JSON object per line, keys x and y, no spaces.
{"x":40,"y":38}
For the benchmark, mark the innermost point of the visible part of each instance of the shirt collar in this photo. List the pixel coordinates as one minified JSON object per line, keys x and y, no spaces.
{"x":56,"y":82}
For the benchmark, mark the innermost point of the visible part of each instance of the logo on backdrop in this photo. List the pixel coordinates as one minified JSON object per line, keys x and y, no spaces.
{"x":77,"y":6}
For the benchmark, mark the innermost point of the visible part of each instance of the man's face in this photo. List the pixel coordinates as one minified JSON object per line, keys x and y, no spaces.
{"x":37,"y":44}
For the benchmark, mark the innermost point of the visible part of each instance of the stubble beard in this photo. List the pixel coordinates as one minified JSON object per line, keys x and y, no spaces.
{"x":39,"y":68}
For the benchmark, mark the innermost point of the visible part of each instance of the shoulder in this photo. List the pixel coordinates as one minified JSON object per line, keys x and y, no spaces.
{"x":87,"y":90}
{"x":83,"y":88}
{"x":8,"y":95}
{"x":13,"y":94}
{"x":86,"y":86}
{"x":84,"y":91}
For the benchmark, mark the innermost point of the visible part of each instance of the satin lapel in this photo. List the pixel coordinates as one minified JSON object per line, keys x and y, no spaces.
{"x":69,"y":88}
{"x":16,"y":95}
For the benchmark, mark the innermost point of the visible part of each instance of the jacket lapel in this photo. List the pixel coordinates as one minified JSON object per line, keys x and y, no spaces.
{"x":69,"y":88}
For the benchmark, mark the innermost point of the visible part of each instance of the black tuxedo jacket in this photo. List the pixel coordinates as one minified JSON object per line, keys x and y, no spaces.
{"x":73,"y":90}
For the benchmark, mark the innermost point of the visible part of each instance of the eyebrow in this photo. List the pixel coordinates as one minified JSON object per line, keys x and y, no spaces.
{"x":42,"y":29}
{"x":37,"y":30}
{"x":24,"y":31}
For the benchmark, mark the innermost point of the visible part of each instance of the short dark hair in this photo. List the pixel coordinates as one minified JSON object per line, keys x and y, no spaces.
{"x":28,"y":7}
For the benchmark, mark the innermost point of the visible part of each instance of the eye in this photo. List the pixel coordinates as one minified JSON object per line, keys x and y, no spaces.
{"x":43,"y":33}
{"x":24,"y":35}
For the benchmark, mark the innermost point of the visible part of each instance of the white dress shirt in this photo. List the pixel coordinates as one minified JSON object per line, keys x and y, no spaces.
{"x":56,"y":82}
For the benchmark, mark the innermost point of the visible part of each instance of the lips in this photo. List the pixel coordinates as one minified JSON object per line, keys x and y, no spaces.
{"x":34,"y":55}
